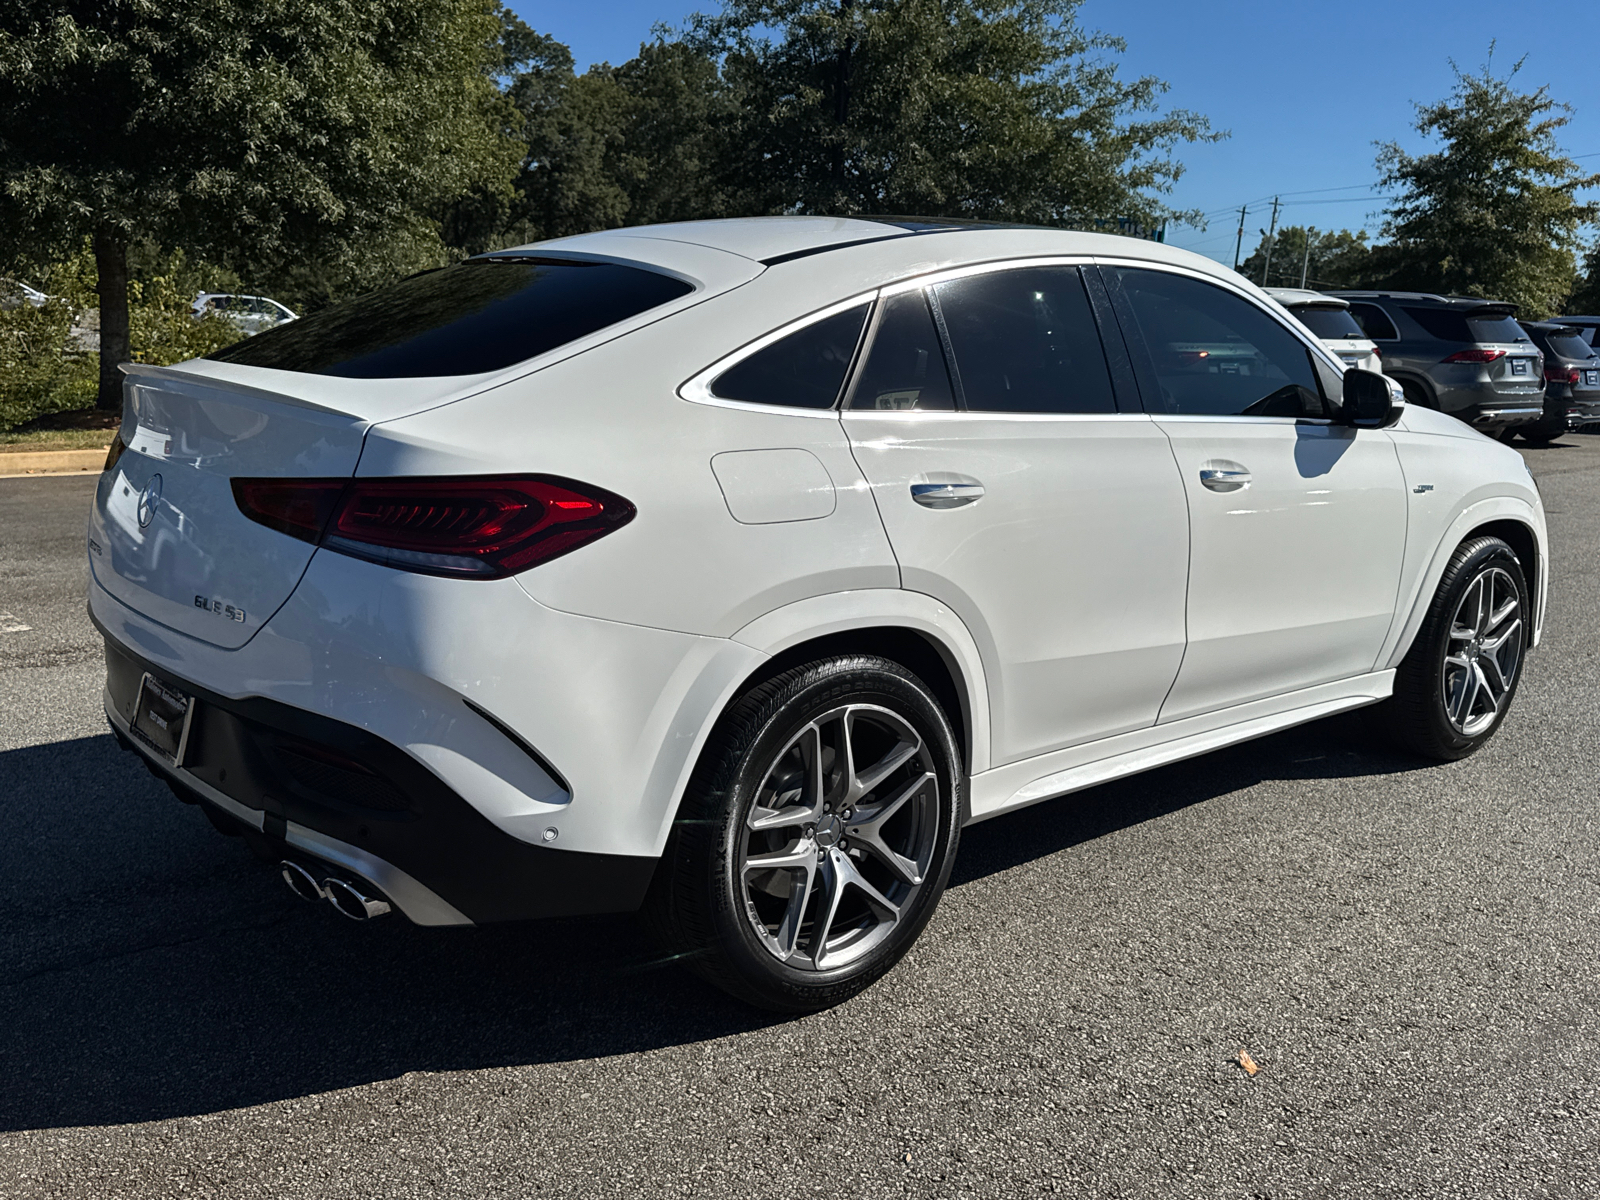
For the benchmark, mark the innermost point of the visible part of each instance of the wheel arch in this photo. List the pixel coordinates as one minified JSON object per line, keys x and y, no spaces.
{"x":1506,"y":517}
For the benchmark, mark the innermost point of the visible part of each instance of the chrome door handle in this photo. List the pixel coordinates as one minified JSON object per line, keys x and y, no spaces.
{"x":1219,"y":480}
{"x":946,"y":495}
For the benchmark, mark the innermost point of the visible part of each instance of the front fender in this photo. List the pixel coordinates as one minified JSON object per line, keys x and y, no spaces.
{"x":1414,"y":606}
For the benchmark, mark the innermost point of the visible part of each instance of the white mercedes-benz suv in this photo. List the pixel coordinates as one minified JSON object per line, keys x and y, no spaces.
{"x":726,"y":570}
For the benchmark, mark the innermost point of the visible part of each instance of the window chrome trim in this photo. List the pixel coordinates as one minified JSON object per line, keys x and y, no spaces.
{"x":697,"y":389}
{"x":947,"y":274}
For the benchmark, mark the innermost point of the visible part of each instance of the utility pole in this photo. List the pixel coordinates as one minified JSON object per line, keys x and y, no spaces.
{"x":1305,"y":263}
{"x":1271,"y":233}
{"x":1238,"y":241}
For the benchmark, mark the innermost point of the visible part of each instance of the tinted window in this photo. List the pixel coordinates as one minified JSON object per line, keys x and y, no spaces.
{"x":1374,"y":322}
{"x":1334,"y":324}
{"x":1214,"y":353}
{"x":1569,"y":345}
{"x":1025,"y":341}
{"x":804,"y":370}
{"x":905,"y":365}
{"x":1496,"y":329}
{"x":480,"y":315}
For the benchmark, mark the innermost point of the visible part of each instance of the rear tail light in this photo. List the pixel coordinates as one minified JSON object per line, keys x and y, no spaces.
{"x":1377,"y":353}
{"x":1562,"y":374}
{"x":1475,"y":356}
{"x":468,"y":526}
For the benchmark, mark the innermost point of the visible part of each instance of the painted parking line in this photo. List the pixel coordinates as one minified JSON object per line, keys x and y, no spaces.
{"x":10,"y":624}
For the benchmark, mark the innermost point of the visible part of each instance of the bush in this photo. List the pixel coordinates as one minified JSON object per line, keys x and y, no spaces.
{"x":49,"y":356}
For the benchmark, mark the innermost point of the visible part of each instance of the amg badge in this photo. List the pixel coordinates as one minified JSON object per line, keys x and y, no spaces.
{"x":221,"y":609}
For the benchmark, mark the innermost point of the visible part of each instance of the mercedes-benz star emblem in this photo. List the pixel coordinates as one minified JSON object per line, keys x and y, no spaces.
{"x":148,"y":499}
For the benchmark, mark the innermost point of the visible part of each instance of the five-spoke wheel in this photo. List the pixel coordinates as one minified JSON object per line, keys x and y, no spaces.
{"x":817,"y":834}
{"x":1457,"y":681}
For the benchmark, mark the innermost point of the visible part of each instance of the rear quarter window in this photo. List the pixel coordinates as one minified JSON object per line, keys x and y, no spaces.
{"x":1374,"y":322}
{"x":477,"y":316}
{"x":804,"y":369}
{"x":1330,"y":324}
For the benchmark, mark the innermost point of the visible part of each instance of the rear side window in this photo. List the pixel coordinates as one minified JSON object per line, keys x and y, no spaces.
{"x":905,"y":365}
{"x":479,"y":315}
{"x":1215,"y":354}
{"x":1374,"y":322}
{"x":1331,"y":324}
{"x":803,"y":370}
{"x":1025,"y":341}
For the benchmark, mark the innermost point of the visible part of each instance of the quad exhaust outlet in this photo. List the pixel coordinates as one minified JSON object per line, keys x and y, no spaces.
{"x":341,"y":893}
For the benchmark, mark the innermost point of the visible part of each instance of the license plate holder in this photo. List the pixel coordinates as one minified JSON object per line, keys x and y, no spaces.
{"x":1591,"y":377}
{"x":161,"y":718}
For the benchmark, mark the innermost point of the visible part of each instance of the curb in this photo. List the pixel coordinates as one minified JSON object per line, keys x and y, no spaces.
{"x":17,"y":464}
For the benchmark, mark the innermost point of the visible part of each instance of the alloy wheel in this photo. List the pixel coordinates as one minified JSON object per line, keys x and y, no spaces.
{"x":840,"y":838}
{"x":1483,"y":652}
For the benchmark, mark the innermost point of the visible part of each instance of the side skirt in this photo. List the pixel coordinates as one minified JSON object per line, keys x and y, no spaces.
{"x":1019,"y":784}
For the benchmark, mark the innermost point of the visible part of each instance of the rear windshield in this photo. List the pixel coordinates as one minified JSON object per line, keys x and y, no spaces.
{"x":1569,"y":345}
{"x":479,"y":315}
{"x":1330,"y":324}
{"x":1454,"y":325}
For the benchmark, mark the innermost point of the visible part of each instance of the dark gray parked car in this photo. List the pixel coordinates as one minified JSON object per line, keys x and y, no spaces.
{"x":1588,"y":326}
{"x":1571,"y":380}
{"x":1462,"y":356}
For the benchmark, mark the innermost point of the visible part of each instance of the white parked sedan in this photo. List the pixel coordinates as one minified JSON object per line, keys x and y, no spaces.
{"x":251,"y":314}
{"x":728,"y":569}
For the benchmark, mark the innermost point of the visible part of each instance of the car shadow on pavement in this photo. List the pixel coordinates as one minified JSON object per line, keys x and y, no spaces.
{"x":154,"y":969}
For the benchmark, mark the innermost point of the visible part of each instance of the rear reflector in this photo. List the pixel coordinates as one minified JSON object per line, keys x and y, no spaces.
{"x":1475,"y":356}
{"x":466,"y":526}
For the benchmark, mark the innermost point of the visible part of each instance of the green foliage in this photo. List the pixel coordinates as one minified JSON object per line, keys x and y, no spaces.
{"x":629,"y":145}
{"x":1585,"y":298}
{"x":47,"y":353}
{"x":257,"y":134}
{"x":244,"y":129}
{"x":1494,"y":212}
{"x":1001,"y":109}
{"x":1338,"y":259}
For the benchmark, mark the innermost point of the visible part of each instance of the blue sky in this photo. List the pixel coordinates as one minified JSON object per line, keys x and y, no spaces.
{"x":1305,"y":89}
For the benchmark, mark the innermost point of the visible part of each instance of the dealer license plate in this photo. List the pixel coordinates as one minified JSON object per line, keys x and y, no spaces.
{"x":161,"y":718}
{"x":1591,"y":378}
{"x":1519,"y":366}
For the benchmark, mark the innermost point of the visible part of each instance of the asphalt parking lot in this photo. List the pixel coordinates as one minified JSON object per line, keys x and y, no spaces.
{"x":1408,"y":952}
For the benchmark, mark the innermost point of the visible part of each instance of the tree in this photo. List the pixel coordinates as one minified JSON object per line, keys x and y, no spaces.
{"x":1001,"y":109}
{"x":628,"y":145}
{"x":1338,"y":260}
{"x":1494,"y":211}
{"x":1585,"y":297}
{"x":251,"y":133}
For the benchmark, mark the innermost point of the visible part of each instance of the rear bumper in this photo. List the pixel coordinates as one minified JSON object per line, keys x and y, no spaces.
{"x":390,"y":821}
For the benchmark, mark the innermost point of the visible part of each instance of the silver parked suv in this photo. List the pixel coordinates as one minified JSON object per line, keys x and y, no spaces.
{"x":1462,"y":356}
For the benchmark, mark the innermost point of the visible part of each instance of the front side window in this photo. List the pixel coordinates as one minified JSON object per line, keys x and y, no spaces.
{"x":806,"y":369}
{"x":477,"y":316}
{"x":905,"y":367}
{"x":1025,"y":341}
{"x":1214,"y":354}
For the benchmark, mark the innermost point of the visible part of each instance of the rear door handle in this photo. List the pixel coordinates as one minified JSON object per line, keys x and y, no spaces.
{"x":1220,"y":479}
{"x":946,"y":495}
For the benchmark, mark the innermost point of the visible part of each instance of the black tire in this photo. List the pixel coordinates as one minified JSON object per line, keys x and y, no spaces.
{"x":1428,"y":690}
{"x":1416,"y":394}
{"x":701,"y":906}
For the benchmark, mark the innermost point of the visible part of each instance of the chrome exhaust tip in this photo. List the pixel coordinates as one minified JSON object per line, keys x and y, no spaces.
{"x":349,"y":900}
{"x":301,"y":882}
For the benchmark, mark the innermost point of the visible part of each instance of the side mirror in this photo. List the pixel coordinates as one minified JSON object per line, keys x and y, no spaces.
{"x":1368,"y":403}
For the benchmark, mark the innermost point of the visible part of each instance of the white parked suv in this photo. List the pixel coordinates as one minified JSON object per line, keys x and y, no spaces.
{"x":728,"y":569}
{"x":1328,"y":317}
